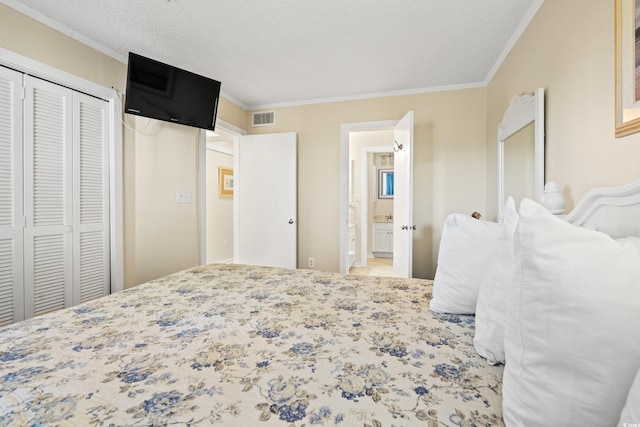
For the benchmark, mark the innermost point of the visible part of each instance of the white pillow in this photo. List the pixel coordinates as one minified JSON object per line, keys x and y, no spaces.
{"x":572,"y":337}
{"x":630,"y":415}
{"x":465,"y":248}
{"x":492,"y":297}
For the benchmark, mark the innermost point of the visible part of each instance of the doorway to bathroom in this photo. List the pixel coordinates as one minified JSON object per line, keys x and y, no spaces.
{"x":399,"y":141}
{"x":371,"y":195}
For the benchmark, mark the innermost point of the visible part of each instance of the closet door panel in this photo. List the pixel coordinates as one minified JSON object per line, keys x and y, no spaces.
{"x":11,"y":213}
{"x":48,"y":197}
{"x":91,"y":199}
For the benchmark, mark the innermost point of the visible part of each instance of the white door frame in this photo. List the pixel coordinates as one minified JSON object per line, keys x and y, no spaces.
{"x":34,"y":68}
{"x":235,"y":133}
{"x":345,"y":129}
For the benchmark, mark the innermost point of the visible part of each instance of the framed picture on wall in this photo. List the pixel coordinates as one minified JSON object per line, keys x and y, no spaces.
{"x":225,"y":182}
{"x":627,"y":66}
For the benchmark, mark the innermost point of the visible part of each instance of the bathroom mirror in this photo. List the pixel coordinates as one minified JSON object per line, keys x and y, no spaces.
{"x":521,"y":150}
{"x":385,"y":183}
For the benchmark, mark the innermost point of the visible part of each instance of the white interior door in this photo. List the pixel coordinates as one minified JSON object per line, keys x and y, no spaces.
{"x":91,"y":266}
{"x":403,"y":226}
{"x":266,"y":185}
{"x":56,"y":193}
{"x":48,"y":197}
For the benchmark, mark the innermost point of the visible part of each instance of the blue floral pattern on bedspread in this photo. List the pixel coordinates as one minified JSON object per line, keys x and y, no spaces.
{"x":238,"y":345}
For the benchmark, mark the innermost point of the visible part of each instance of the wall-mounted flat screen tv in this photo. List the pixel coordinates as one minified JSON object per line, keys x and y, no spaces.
{"x":164,"y":92}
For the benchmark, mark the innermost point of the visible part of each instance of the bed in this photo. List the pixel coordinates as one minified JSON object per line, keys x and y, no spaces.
{"x":248,"y":345}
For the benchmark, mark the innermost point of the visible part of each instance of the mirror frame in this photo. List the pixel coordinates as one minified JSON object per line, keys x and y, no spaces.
{"x":524,"y":109}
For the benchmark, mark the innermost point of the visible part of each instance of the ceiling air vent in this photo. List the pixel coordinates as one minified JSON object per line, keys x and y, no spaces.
{"x":265,"y":118}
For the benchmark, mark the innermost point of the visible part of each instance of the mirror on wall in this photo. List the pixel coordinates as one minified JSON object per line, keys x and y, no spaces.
{"x":519,"y":164}
{"x":521,"y":150}
{"x":385,"y":183}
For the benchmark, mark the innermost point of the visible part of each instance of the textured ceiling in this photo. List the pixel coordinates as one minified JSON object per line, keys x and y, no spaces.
{"x":283,"y":52}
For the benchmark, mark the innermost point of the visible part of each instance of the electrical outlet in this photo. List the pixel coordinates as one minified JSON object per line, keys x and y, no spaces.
{"x":183,"y":196}
{"x":311,"y":262}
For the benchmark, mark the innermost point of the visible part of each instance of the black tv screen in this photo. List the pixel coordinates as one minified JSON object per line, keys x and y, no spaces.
{"x":164,"y":92}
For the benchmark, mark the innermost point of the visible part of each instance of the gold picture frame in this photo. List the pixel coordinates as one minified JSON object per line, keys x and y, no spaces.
{"x":225,"y":182}
{"x":627,"y":47}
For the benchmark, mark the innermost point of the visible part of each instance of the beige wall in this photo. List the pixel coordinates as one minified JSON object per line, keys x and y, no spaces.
{"x":568,"y":49}
{"x":165,"y":231}
{"x":449,"y":166}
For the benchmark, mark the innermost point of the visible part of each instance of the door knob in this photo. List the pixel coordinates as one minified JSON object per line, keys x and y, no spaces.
{"x":404,"y":227}
{"x":291,"y":221}
{"x":413,"y":228}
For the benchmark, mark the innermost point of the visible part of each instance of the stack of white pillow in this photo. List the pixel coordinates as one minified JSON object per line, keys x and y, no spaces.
{"x":558,"y":304}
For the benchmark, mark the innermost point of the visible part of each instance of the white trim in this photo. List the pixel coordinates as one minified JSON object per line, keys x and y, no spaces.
{"x":116,"y":198}
{"x":45,"y":20}
{"x":34,"y":14}
{"x":218,"y":149}
{"x":366,"y":96}
{"x":46,"y":72}
{"x":526,"y":20}
{"x":230,"y":128}
{"x":345,"y":129}
{"x":233,"y":100}
{"x":37,"y":69}
{"x":202,"y":195}
{"x":236,"y":198}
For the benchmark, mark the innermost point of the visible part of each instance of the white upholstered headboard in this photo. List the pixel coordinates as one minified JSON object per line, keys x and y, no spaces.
{"x":615,"y":211}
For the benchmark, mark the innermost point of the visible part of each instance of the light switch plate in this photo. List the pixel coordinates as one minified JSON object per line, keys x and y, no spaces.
{"x":183,"y":196}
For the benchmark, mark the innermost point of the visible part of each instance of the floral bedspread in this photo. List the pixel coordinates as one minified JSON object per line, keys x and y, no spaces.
{"x":237,"y":345}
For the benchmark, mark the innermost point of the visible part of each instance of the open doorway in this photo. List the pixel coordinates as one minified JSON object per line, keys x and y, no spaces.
{"x":401,"y":143}
{"x":219,"y":240}
{"x":218,"y":212}
{"x":370,"y":231}
{"x":231,"y":226}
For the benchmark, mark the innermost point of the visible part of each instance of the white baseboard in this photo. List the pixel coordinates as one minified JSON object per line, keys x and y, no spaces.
{"x":224,"y":261}
{"x":383,"y":254}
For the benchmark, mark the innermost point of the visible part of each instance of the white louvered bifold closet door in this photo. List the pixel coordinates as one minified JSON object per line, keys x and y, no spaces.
{"x":91,"y":198}
{"x":54,"y":197}
{"x":11,"y":215}
{"x":48,"y":197}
